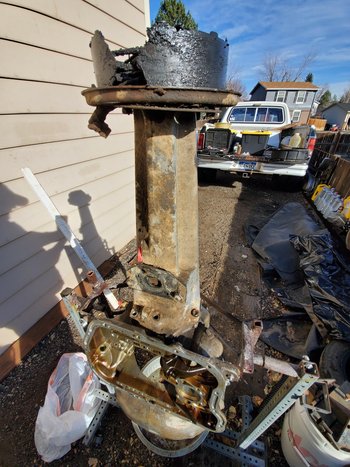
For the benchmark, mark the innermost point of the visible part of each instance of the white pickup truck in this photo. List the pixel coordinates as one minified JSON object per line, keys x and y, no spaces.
{"x":248,"y":140}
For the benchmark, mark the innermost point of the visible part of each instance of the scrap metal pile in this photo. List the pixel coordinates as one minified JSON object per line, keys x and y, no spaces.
{"x":158,"y":353}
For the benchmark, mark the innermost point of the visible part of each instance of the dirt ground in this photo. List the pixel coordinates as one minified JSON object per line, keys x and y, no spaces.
{"x":229,"y":274}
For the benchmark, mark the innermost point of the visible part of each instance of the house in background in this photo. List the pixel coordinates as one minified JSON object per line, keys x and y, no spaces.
{"x":299,"y":96}
{"x":338,"y":114}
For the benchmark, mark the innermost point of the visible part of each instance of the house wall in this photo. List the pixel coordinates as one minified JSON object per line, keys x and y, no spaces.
{"x":335,"y":115}
{"x":262,"y":94}
{"x":270,"y":95}
{"x":259,"y":94}
{"x":46,"y":64}
{"x":291,"y":97}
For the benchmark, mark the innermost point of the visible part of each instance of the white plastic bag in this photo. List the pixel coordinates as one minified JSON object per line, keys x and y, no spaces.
{"x":69,"y":407}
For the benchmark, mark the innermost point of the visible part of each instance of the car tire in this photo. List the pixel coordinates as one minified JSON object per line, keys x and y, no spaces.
{"x":310,"y":183}
{"x":335,"y":361}
{"x":207,"y":175}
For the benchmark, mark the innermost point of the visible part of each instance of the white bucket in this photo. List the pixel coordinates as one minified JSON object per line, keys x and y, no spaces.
{"x":304,"y":445}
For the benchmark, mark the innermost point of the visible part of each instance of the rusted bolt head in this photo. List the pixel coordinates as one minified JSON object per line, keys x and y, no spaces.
{"x":195,"y":312}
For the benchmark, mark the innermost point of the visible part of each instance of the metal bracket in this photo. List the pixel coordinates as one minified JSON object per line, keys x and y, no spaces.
{"x":327,"y":409}
{"x":251,"y":334}
{"x":95,"y":423}
{"x":279,"y":403}
{"x":105,"y":399}
{"x":68,"y":298}
{"x":255,"y":455}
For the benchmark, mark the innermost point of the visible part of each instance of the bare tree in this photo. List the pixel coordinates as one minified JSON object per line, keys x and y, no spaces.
{"x":307,"y":59}
{"x":345,"y":98}
{"x":277,"y":68}
{"x":235,"y":84}
{"x":270,"y":67}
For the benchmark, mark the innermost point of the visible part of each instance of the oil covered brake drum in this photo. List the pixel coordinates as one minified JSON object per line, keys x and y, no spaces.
{"x":171,"y":58}
{"x":183,"y":58}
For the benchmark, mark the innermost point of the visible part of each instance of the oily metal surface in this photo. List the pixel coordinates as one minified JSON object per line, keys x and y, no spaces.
{"x":110,"y":348}
{"x":182,"y":58}
{"x":170,"y":57}
{"x":167,"y":216}
{"x":120,"y":96}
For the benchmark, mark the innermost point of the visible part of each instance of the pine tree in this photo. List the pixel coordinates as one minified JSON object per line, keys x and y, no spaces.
{"x":174,"y":13}
{"x":345,"y":98}
{"x":309,"y":78}
{"x":326,"y":98}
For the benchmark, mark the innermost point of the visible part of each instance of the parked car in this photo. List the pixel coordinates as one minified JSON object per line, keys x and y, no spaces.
{"x":255,"y":138}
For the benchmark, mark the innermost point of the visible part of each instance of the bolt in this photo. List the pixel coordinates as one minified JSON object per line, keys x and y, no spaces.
{"x":195,"y":312}
{"x":308,"y":365}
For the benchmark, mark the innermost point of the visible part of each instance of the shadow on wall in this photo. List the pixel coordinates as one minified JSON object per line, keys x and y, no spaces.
{"x":28,"y":272}
{"x":96,"y":247}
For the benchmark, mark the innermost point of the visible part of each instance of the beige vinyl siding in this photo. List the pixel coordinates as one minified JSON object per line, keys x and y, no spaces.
{"x":20,"y":129}
{"x":46,"y":63}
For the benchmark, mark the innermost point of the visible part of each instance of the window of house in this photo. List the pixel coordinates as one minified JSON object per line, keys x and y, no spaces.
{"x":280,"y":96}
{"x":296,"y":115}
{"x":300,"y":97}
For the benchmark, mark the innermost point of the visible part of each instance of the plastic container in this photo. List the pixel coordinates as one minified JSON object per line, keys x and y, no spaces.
{"x":332,"y":203}
{"x":319,"y":201}
{"x":311,"y":140}
{"x":255,"y":142}
{"x":318,"y":191}
{"x":346,"y":208}
{"x":304,"y":445}
{"x":300,"y":155}
{"x":295,"y":140}
{"x":336,"y":207}
{"x":329,"y":195}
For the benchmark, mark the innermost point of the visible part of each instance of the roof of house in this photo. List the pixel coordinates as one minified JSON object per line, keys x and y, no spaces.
{"x":271,"y":85}
{"x":343,"y":105}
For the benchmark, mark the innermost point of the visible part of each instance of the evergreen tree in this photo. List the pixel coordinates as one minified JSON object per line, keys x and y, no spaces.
{"x":174,"y":13}
{"x":326,"y":98}
{"x":346,"y":95}
{"x":309,"y":78}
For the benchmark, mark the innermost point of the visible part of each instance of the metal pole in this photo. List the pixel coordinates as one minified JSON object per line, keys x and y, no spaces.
{"x":68,"y":233}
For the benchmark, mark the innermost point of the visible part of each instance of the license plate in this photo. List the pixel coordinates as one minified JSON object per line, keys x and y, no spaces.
{"x":247,"y":165}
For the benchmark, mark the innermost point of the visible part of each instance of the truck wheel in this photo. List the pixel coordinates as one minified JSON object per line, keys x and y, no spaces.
{"x":310,"y":183}
{"x":287,"y":182}
{"x":335,"y":361}
{"x":206,"y":175}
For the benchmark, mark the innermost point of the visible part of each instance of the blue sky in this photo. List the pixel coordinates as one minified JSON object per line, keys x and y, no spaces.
{"x":289,"y":28}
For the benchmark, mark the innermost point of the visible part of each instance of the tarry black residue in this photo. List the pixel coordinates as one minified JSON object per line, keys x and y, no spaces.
{"x":170,"y":58}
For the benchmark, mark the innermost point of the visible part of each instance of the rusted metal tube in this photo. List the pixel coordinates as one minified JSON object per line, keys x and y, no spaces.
{"x":91,"y":277}
{"x":274,"y":364}
{"x":167,"y":216}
